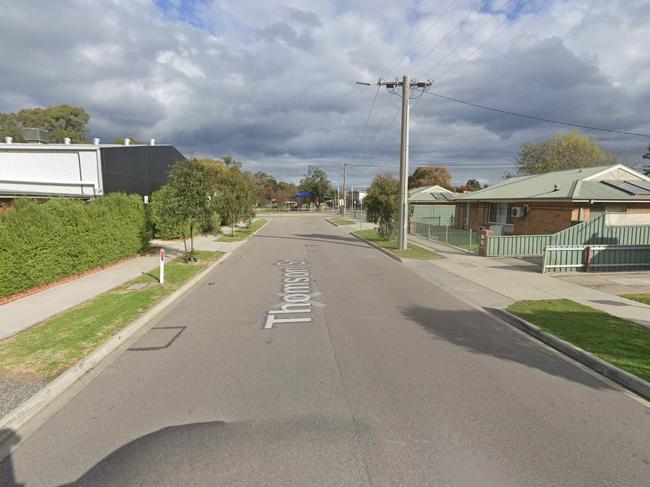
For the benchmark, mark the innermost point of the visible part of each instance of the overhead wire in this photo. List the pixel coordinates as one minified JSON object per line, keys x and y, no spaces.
{"x":509,"y":25}
{"x":469,"y":36}
{"x":410,"y":49}
{"x":430,"y":51}
{"x":540,"y":119}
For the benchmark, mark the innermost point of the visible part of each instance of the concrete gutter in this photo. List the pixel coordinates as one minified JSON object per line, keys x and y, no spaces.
{"x":381,"y":249}
{"x":630,"y":381}
{"x":43,"y":398}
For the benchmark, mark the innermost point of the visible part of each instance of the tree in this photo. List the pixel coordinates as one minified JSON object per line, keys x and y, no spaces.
{"x":646,"y":168}
{"x":120,"y":140}
{"x":563,"y":151}
{"x":230,"y":162}
{"x":430,"y":176}
{"x":382,"y":203}
{"x":470,"y":185}
{"x":187,"y":201}
{"x":60,"y":121}
{"x":317,"y":183}
{"x":236,"y":197}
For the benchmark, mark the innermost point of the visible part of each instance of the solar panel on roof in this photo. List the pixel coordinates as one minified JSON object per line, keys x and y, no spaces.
{"x":633,"y":187}
{"x":638,"y":186}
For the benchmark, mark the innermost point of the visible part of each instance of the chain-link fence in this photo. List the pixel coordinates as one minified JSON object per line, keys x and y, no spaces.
{"x":467,"y":240}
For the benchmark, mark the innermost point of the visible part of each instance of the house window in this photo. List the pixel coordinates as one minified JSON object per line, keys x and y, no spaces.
{"x":500,"y":213}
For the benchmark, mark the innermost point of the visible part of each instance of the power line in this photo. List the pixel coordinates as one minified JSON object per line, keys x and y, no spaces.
{"x":540,"y":119}
{"x":381,"y":120}
{"x":372,"y":106}
{"x":410,"y":49}
{"x":445,"y":37}
{"x":471,"y":34}
{"x":386,"y":142}
{"x":506,"y":27}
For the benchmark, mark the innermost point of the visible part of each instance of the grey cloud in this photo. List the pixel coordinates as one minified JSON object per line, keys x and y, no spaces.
{"x":273,"y":83}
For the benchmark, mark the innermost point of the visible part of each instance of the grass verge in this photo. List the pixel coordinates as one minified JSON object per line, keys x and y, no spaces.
{"x":243,"y":233}
{"x":615,"y":340}
{"x":46,"y":350}
{"x":412,"y":251}
{"x":340,"y":222}
{"x":641,"y":298}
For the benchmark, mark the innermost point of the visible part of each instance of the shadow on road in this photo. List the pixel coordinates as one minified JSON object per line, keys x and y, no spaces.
{"x":217,"y":453}
{"x":480,"y":333}
{"x":317,"y":237}
{"x":8,"y":438}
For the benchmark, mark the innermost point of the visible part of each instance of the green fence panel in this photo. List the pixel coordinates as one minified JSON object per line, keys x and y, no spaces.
{"x":517,"y":245}
{"x":592,"y":232}
{"x":434,"y":214}
{"x":605,"y":258}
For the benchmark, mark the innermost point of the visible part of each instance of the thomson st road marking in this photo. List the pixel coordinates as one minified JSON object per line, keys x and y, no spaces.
{"x":296,"y":306}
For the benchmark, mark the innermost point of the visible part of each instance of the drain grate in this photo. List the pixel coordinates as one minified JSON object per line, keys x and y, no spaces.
{"x":157,"y":338}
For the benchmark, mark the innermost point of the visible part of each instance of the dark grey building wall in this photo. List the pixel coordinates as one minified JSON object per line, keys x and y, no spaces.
{"x":140,"y":169}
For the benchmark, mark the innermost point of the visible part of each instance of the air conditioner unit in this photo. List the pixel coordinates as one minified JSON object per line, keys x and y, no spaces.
{"x":517,"y":211}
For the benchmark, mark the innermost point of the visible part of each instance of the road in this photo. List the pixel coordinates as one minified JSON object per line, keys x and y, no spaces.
{"x":392,"y":382}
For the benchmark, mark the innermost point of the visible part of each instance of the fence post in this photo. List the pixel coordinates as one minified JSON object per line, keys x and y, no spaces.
{"x":588,"y":257}
{"x":544,"y":261}
{"x":429,"y":230}
{"x":470,"y":239}
{"x":446,"y":234}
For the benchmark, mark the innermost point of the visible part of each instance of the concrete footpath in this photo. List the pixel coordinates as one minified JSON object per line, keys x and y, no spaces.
{"x":500,"y":282}
{"x":30,"y":310}
{"x":497,"y":283}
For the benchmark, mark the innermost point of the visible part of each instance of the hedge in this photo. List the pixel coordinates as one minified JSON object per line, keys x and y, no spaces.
{"x":43,"y":242}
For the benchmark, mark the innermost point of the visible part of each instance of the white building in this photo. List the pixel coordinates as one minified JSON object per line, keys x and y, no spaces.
{"x":50,"y":170}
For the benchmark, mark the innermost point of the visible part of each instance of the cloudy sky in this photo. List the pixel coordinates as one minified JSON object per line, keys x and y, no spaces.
{"x":272,"y":82}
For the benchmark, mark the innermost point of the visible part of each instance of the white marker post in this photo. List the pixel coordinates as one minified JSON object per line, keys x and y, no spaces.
{"x":162,"y":266}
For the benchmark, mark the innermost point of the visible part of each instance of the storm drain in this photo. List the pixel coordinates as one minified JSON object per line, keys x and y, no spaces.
{"x":157,"y":338}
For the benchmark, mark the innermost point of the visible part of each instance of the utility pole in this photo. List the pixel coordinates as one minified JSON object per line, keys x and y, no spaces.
{"x":345,"y":197}
{"x":406,"y":84}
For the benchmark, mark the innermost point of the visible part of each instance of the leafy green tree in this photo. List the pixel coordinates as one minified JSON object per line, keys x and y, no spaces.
{"x":10,"y":127}
{"x":236,"y":198}
{"x":187,"y":203}
{"x":430,"y":176}
{"x":120,"y":140}
{"x":382,"y":203}
{"x":470,"y":185}
{"x":563,"y":151}
{"x":317,"y":183}
{"x":232,"y":163}
{"x":284,"y":192}
{"x":60,"y":121}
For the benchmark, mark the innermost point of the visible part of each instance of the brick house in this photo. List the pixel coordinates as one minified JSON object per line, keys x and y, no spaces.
{"x":547,"y":203}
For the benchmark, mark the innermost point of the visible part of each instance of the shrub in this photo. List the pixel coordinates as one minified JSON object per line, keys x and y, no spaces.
{"x":382,"y":203}
{"x":43,"y":242}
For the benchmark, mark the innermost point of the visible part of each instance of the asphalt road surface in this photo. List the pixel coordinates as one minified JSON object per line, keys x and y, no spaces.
{"x":392,"y":382}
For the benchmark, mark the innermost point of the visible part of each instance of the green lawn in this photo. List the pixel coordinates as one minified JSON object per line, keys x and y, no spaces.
{"x":243,"y":233}
{"x":51,"y":347}
{"x":340,"y":221}
{"x":641,"y":298}
{"x":617,"y":341}
{"x":412,"y":252}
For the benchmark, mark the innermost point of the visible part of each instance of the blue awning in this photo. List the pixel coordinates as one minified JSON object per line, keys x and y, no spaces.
{"x":302,"y":195}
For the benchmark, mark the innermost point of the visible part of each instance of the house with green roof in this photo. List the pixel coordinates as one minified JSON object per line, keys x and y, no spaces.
{"x":433,"y":204}
{"x":547,"y":203}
